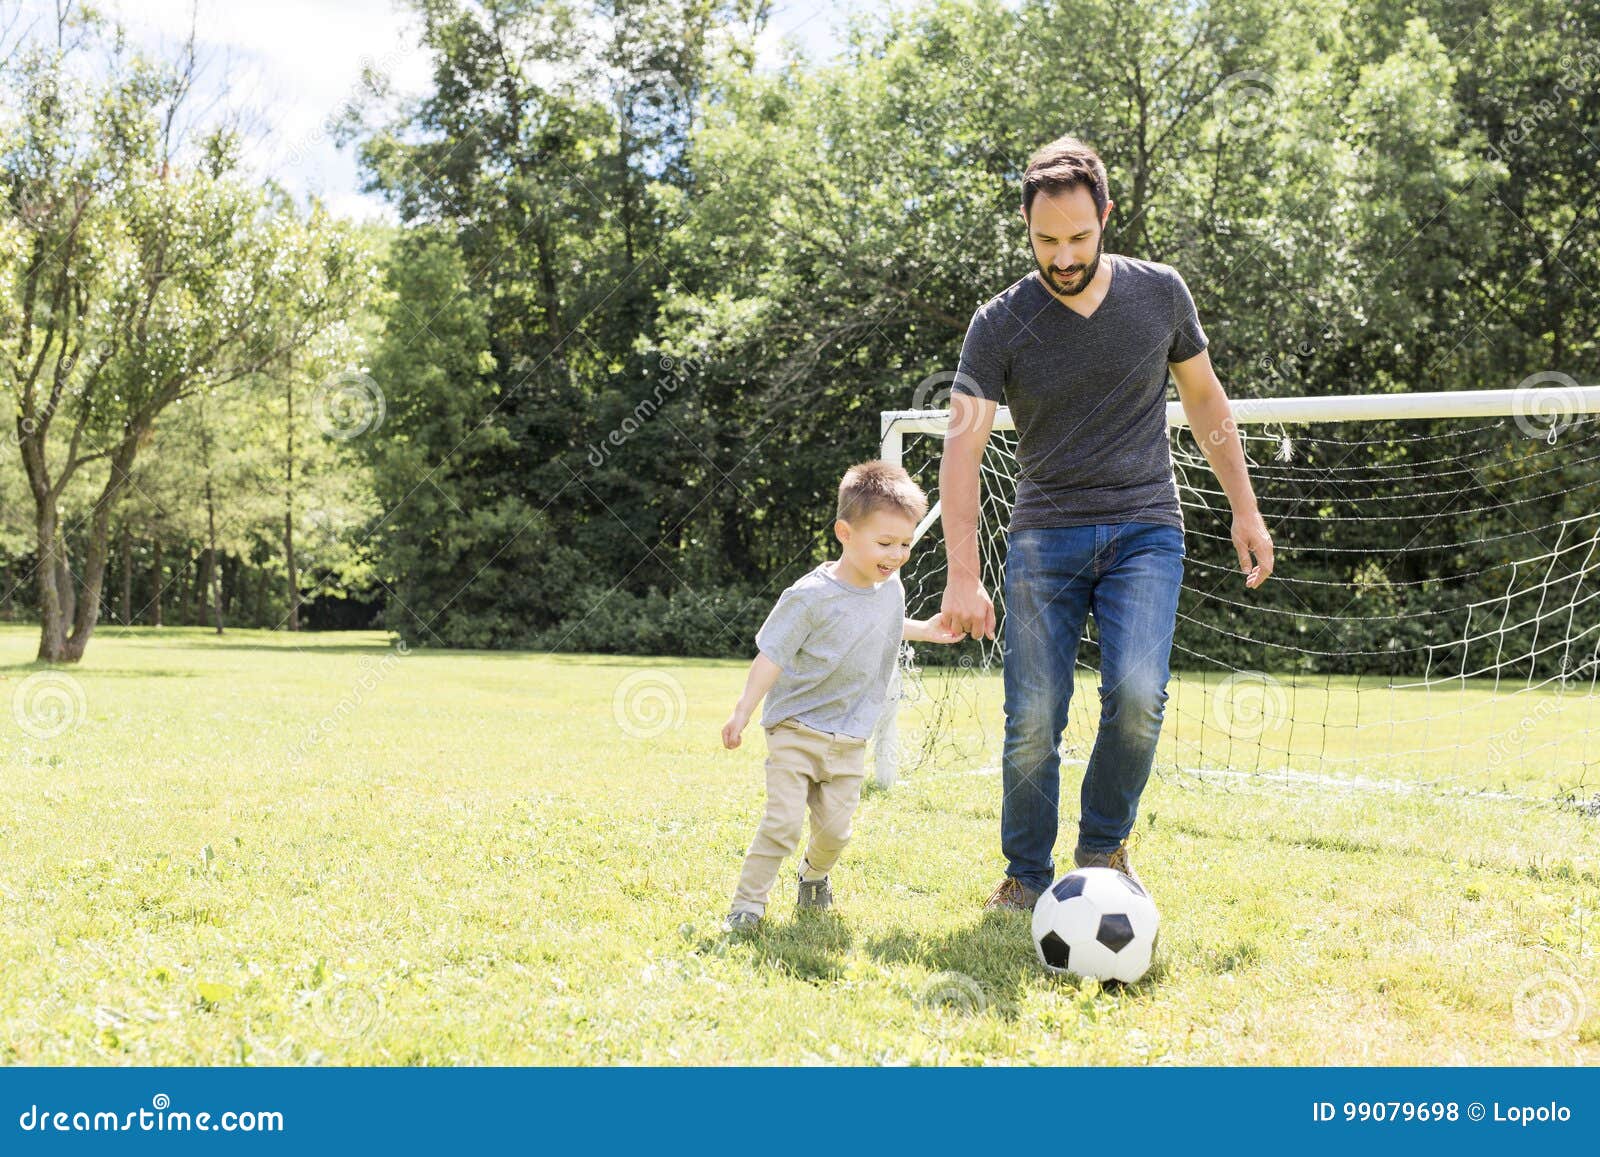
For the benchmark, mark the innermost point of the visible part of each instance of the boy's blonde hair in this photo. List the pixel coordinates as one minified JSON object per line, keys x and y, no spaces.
{"x":879,"y":485}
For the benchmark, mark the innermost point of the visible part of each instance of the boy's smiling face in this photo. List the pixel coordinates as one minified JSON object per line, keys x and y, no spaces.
{"x":876,"y":546}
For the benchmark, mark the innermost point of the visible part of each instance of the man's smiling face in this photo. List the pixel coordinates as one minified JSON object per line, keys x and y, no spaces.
{"x":1067,"y":236}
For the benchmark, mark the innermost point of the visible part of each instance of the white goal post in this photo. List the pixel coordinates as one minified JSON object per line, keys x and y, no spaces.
{"x":1535,"y":406}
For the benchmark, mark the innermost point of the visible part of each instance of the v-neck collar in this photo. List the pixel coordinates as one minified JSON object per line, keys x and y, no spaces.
{"x":1110,"y":259}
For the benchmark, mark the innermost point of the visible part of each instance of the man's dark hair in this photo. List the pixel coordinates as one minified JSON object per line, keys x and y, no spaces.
{"x":1063,"y":164}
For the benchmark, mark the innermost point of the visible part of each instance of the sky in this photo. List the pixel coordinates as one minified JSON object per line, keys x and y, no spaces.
{"x":294,"y":62}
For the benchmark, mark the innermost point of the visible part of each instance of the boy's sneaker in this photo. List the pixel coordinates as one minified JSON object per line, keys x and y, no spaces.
{"x":741,"y":922}
{"x":1012,"y":895}
{"x":1117,"y":859}
{"x":815,"y":894}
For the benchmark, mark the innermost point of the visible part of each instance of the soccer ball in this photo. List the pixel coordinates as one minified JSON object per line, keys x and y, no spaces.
{"x":1096,"y":922}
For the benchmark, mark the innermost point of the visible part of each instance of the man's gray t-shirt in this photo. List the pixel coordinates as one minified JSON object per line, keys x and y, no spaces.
{"x":1088,"y":394}
{"x":837,"y":645}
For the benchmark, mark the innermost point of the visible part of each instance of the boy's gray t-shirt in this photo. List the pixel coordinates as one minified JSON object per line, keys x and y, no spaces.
{"x":1088,"y":394}
{"x":837,"y":645}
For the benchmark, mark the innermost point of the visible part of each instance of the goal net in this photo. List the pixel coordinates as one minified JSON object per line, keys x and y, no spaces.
{"x":1434,"y":618}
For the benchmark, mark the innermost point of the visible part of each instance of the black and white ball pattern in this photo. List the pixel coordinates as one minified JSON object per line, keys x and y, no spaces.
{"x":1096,"y":922}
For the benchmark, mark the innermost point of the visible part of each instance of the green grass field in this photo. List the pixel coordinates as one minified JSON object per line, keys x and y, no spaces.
{"x":264,"y":849}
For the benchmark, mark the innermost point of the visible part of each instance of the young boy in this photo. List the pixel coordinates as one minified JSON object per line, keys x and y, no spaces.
{"x":827,"y":652}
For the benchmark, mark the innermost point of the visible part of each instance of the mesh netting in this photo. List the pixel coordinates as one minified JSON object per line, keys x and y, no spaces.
{"x":1435,"y":613}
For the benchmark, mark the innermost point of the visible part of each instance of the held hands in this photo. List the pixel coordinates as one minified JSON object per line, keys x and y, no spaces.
{"x":967,"y":610}
{"x":1254,"y":547}
{"x":733,"y":729}
{"x":931,"y":630}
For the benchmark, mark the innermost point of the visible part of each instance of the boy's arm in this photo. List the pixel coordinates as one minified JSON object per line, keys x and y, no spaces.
{"x":930,"y":630}
{"x":763,"y":674}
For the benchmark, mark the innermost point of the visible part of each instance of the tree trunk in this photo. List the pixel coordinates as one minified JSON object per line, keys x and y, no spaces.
{"x":52,"y":623}
{"x":217,"y":598}
{"x":625,"y":176}
{"x":232,"y":584}
{"x":214,"y":569}
{"x":180,"y":589}
{"x":66,"y":585}
{"x":293,"y":622}
{"x":87,"y":614}
{"x":127,"y":577}
{"x":160,"y":584}
{"x":199,"y":592}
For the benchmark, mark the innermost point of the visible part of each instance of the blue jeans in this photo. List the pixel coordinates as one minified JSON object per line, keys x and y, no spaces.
{"x":1129,"y":575}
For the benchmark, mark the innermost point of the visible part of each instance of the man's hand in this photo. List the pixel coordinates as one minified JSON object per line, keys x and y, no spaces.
{"x":733,"y":729}
{"x":968,"y":609}
{"x":930,"y":630}
{"x":1254,"y":547}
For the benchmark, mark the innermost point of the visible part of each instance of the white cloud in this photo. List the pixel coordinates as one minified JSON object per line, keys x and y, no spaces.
{"x":291,"y":64}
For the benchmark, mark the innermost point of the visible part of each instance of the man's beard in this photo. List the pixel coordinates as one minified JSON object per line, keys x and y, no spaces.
{"x":1078,"y":283}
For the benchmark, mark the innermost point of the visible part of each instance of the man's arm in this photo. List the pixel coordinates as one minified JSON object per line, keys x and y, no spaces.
{"x":1211,"y":418}
{"x":967,"y":607}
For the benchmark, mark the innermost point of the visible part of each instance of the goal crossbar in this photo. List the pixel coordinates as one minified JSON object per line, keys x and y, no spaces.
{"x":1536,"y":401}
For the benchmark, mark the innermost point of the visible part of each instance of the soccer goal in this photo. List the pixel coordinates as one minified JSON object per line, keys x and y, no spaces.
{"x":1434,"y":619}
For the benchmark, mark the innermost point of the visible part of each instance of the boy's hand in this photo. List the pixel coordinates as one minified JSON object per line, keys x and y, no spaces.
{"x":932,"y":630}
{"x":733,"y":729}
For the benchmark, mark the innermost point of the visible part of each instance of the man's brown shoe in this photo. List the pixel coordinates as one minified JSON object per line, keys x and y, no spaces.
{"x":1013,"y":895}
{"x":1117,"y":859}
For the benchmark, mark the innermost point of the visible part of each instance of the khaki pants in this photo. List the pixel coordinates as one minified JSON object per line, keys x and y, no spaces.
{"x":805,"y":768}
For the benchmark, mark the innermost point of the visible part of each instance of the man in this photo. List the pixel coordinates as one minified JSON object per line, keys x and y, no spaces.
{"x":1080,"y":350}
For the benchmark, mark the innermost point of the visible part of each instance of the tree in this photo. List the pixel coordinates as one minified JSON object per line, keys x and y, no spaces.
{"x":141,"y":268}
